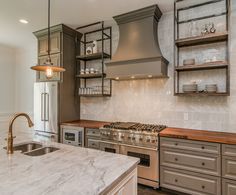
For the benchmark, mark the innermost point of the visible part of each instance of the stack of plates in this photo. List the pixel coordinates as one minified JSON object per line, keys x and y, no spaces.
{"x":212,"y":88}
{"x":190,"y":88}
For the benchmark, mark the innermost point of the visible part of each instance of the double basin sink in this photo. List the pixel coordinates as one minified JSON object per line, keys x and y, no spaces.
{"x":33,"y":149}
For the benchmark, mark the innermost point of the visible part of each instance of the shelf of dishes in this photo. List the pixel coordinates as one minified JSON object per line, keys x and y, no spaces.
{"x":95,"y":90}
{"x":194,"y":88}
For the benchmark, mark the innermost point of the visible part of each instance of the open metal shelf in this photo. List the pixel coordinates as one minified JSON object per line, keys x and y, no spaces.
{"x":91,"y":76}
{"x":105,"y":34}
{"x":94,"y":56}
{"x":206,"y":66}
{"x":198,"y":41}
{"x":201,"y":40}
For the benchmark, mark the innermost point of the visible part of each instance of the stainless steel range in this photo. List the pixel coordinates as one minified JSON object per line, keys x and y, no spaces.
{"x":137,"y":140}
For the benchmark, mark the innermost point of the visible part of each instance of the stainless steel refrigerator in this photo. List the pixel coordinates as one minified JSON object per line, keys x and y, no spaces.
{"x":46,"y":109}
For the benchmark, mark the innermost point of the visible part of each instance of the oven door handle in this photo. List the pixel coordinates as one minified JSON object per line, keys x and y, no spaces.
{"x":139,"y":147}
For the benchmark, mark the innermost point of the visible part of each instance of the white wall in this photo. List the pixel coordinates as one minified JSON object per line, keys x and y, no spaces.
{"x":7,"y":84}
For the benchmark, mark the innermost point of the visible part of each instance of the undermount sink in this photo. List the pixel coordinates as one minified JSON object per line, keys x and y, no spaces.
{"x":26,"y":147}
{"x":41,"y":151}
{"x":33,"y":149}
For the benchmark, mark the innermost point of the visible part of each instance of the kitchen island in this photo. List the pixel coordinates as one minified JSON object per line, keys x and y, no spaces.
{"x":69,"y":170}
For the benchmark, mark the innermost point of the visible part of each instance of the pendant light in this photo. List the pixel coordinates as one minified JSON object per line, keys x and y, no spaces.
{"x":48,"y":66}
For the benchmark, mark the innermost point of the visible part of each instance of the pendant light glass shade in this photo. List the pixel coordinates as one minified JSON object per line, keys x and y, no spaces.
{"x":48,"y":66}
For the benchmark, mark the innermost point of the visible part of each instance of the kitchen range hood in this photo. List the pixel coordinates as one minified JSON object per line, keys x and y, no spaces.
{"x":138,"y":55}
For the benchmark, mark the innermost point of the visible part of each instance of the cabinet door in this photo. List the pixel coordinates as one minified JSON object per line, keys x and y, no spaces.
{"x":229,"y":187}
{"x":229,"y":167}
{"x":190,"y":182}
{"x":55,"y":44}
{"x":56,"y":61}
{"x":127,"y":186}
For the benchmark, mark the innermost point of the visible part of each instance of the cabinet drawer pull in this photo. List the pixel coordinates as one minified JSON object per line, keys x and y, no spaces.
{"x":176,"y":180}
{"x":203,"y":164}
{"x":176,"y":159}
{"x":203,"y":147}
{"x":203,"y":187}
{"x":176,"y":144}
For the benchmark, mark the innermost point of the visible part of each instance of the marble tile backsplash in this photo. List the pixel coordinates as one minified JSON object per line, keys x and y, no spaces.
{"x":152,"y":101}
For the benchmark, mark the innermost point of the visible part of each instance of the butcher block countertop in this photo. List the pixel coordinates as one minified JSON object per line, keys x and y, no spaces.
{"x":86,"y":123}
{"x":200,"y":135}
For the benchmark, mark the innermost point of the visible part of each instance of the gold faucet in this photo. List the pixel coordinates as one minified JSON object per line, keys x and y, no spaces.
{"x":10,"y":134}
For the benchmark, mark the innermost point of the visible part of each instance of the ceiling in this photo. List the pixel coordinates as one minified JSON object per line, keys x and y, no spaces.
{"x":73,"y":13}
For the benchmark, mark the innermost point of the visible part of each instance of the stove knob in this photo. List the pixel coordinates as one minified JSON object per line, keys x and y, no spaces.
{"x":148,"y":140}
{"x":114,"y":135}
{"x":153,"y":141}
{"x":108,"y":133}
{"x":129,"y":137}
{"x":122,"y":136}
{"x":140,"y":139}
{"x":133,"y":138}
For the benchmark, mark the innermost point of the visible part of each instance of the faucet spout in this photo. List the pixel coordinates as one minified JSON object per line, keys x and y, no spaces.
{"x":10,"y":131}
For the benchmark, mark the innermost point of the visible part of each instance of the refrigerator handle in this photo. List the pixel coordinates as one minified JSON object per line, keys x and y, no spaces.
{"x":42,"y":107}
{"x":46,"y":107}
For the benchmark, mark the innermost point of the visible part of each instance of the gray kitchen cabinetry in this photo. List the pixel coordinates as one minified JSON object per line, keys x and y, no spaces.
{"x":228,"y":187}
{"x":229,"y":169}
{"x":92,"y":139}
{"x":191,"y":167}
{"x":64,"y":44}
{"x":55,"y":44}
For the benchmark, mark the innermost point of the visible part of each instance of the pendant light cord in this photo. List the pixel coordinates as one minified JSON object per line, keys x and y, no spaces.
{"x":49,"y":38}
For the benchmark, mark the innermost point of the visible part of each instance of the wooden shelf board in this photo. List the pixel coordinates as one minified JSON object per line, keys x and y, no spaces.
{"x":95,"y":95}
{"x":206,"y":66}
{"x":94,"y":56}
{"x":91,"y":76}
{"x":199,"y":40}
{"x":202,"y":94}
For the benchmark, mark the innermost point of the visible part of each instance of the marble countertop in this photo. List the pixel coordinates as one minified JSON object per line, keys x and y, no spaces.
{"x":70,"y":170}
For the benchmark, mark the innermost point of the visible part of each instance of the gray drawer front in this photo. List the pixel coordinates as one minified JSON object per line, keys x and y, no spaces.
{"x":93,"y":132}
{"x":192,"y":161}
{"x":228,"y":187}
{"x":95,"y":144}
{"x":190,"y":182}
{"x":229,"y":167}
{"x":190,"y":145}
{"x":229,"y":150}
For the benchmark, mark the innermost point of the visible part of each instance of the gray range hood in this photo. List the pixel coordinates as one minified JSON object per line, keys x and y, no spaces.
{"x":138,"y":54}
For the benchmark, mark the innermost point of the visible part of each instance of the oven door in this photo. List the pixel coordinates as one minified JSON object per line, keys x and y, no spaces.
{"x":109,"y":147}
{"x":148,"y":166}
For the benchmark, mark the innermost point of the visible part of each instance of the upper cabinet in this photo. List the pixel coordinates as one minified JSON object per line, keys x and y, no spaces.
{"x":55,"y":44}
{"x":64,"y":44}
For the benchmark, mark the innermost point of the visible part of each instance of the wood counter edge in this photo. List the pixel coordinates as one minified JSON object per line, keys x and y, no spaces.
{"x":85,"y":123}
{"x":199,"y":135}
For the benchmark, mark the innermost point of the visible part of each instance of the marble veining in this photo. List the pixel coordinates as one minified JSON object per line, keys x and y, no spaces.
{"x":70,"y":170}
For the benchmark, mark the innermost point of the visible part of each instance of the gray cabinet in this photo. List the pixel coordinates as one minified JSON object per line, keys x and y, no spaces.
{"x":55,"y":44}
{"x":190,"y":182}
{"x":192,"y":161}
{"x":229,"y":169}
{"x":191,"y":167}
{"x":92,"y":139}
{"x":229,"y":187}
{"x":64,"y":42}
{"x":187,"y":145}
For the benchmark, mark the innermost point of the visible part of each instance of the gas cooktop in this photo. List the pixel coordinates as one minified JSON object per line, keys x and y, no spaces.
{"x":135,"y":126}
